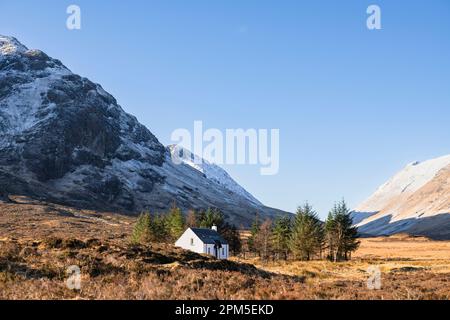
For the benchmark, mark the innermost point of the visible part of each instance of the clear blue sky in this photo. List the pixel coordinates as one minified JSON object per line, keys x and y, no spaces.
{"x":353,"y":106}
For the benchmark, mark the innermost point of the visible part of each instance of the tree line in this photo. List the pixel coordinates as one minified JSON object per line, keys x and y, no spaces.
{"x":169,"y":226}
{"x":299,"y":237}
{"x":305,"y":237}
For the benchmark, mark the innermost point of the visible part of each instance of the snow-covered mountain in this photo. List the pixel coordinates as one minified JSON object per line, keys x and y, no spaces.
{"x":415,"y":201}
{"x":65,"y":139}
{"x":212,"y":172}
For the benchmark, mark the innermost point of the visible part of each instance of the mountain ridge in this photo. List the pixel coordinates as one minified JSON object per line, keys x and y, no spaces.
{"x":66,"y":140}
{"x":416,"y":201}
{"x":211,"y":171}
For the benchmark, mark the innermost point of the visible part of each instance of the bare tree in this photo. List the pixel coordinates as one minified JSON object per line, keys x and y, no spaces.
{"x":264,"y":240}
{"x":191,"y":219}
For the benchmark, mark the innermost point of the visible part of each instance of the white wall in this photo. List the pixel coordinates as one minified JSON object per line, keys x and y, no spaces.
{"x":223,"y":252}
{"x":185,"y":242}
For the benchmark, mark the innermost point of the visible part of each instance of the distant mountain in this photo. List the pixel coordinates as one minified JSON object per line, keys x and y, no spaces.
{"x":414,"y":201}
{"x":64,"y":139}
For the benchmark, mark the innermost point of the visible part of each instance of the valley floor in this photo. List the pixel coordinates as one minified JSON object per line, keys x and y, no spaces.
{"x":38,"y":242}
{"x":409,"y":268}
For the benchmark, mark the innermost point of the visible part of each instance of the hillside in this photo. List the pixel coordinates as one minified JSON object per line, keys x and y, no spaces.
{"x":64,"y":139}
{"x":414,"y":201}
{"x":40,"y":241}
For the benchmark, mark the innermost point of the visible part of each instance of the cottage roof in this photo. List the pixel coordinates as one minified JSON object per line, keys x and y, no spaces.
{"x":209,"y":236}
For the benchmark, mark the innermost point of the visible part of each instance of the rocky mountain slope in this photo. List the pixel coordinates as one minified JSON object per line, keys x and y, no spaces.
{"x":64,"y":139}
{"x":212,"y":171}
{"x":415,"y":201}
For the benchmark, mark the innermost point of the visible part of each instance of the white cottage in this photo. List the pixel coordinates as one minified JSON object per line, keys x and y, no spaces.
{"x":207,"y":241}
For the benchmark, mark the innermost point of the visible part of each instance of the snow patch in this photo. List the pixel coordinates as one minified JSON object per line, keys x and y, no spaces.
{"x":10,"y":45}
{"x":19,"y":109}
{"x":212,"y":172}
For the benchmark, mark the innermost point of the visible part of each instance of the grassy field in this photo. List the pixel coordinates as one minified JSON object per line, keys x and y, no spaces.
{"x":38,"y":242}
{"x":410,"y":268}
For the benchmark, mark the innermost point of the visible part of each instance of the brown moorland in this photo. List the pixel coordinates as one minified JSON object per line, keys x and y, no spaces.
{"x":39,"y":241}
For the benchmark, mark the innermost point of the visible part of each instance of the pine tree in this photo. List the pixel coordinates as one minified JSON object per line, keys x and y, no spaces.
{"x":331,"y":235}
{"x":160,"y":229}
{"x":142,"y":231}
{"x":281,"y":235}
{"x":212,"y":217}
{"x":251,"y":241}
{"x":231,"y":235}
{"x":342,"y":236}
{"x":175,"y":223}
{"x":307,"y":234}
{"x":350,"y":239}
{"x":201,"y":217}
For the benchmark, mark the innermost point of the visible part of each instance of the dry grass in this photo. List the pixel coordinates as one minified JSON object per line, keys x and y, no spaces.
{"x":37,"y":270}
{"x":411,"y":268}
{"x":28,"y":219}
{"x":404,"y":247}
{"x":39,"y":241}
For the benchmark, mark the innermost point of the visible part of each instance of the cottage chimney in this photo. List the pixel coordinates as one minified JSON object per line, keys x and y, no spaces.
{"x":214,"y":227}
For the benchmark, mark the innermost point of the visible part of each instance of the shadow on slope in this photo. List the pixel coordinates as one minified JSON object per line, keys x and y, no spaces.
{"x":435,"y":227}
{"x":359,"y":216}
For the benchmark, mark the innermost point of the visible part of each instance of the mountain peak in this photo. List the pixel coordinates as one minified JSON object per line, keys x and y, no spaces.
{"x":413,"y":177}
{"x":64,"y":139}
{"x":10,"y":45}
{"x":415,"y":201}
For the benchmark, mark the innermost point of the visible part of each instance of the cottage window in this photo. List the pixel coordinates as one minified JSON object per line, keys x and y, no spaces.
{"x":192,"y":241}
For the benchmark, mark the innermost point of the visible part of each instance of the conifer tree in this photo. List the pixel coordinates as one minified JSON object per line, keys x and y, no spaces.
{"x":342,"y":236}
{"x":231,"y":235}
{"x":307,"y":234}
{"x":142,"y":230}
{"x":175,"y":223}
{"x":211,"y":217}
{"x":160,"y":229}
{"x":281,"y":235}
{"x":251,"y":241}
{"x":201,"y":217}
{"x":331,"y":235}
